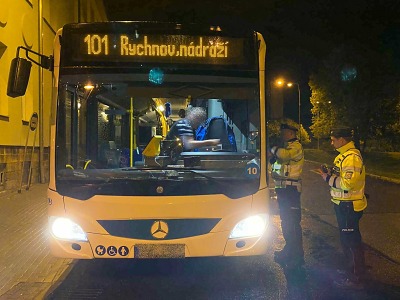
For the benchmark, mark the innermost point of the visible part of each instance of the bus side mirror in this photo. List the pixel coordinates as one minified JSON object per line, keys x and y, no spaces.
{"x":18,"y":78}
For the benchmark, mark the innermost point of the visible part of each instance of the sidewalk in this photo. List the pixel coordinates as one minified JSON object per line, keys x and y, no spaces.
{"x":27,"y":270}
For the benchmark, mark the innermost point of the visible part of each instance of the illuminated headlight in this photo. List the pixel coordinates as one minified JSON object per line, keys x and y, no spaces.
{"x":63,"y":228}
{"x":250,"y":227}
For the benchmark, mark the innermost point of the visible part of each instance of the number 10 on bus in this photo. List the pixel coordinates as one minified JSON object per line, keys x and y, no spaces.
{"x":96,"y":44}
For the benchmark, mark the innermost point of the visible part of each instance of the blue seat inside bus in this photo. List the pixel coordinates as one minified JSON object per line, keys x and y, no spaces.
{"x":218,"y":128}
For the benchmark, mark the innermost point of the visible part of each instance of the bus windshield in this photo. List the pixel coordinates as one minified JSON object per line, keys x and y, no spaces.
{"x":123,"y":86}
{"x":108,"y":125}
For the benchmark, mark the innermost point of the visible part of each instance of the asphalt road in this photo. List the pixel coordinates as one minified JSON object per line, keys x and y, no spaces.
{"x":260,"y":277}
{"x":380,"y":224}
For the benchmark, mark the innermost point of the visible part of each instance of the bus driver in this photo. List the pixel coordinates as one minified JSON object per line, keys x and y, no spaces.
{"x":183,"y":129}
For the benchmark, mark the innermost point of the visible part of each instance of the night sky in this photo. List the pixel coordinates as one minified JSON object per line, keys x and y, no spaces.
{"x":299,"y":33}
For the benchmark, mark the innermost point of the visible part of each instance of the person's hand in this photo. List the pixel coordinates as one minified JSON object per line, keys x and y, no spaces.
{"x":323,"y":175}
{"x":214,"y":142}
{"x":325,"y":169}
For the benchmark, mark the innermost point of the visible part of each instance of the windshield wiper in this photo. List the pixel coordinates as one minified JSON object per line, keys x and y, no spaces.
{"x":201,"y":173}
{"x":143,"y":173}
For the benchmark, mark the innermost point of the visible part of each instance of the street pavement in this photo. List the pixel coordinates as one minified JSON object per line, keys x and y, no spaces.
{"x":28,"y":271}
{"x":380,"y":226}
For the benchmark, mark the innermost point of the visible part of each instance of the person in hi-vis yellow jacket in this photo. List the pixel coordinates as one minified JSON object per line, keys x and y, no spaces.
{"x":346,"y":180}
{"x":287,"y":166}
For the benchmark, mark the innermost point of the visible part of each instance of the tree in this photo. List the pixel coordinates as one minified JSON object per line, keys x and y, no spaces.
{"x":354,"y":87}
{"x":274,"y":131}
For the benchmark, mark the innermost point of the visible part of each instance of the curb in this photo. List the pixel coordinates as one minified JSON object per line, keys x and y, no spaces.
{"x":64,"y":272}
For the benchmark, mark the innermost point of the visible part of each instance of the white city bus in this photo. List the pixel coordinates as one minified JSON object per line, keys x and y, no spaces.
{"x":118,"y":188}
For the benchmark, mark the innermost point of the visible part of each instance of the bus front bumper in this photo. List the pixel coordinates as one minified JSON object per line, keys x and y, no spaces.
{"x":211,"y":244}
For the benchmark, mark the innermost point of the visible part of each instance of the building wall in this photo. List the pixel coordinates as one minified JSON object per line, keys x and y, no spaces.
{"x":20,"y":26}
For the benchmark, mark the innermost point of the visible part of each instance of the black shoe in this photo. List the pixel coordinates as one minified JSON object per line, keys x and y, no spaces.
{"x":347,"y":283}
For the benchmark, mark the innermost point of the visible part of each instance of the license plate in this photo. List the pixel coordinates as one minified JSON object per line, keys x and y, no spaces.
{"x":159,"y":251}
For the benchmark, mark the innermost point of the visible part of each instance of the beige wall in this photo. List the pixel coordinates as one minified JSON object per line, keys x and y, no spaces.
{"x":19,"y":26}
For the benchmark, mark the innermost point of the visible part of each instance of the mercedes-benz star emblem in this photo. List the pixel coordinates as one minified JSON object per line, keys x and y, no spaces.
{"x":159,"y":229}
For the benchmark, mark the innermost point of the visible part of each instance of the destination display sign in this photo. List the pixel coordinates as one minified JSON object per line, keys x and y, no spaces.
{"x":92,"y":48}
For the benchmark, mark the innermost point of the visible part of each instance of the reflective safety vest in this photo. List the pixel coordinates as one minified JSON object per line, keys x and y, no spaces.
{"x":289,"y":162}
{"x":347,"y":182}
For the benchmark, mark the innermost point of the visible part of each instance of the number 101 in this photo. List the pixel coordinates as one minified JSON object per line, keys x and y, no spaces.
{"x":96,"y":44}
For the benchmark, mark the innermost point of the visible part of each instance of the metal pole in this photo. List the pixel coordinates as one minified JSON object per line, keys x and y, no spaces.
{"x":28,"y":184}
{"x":131,"y":134}
{"x":23,"y":162}
{"x":79,"y":11}
{"x":318,"y":122}
{"x":41,"y":93}
{"x":298,"y":90}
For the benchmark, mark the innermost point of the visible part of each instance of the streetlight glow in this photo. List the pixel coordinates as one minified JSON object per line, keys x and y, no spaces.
{"x":281,"y":82}
{"x":89,"y":87}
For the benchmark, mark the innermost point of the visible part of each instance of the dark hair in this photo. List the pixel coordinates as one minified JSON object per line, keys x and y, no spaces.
{"x":182,"y":113}
{"x":342,"y":132}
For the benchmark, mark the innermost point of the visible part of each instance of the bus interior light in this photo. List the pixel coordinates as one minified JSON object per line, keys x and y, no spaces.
{"x":63,"y":228}
{"x":161,"y":108}
{"x":250,"y":227}
{"x":89,"y":87}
